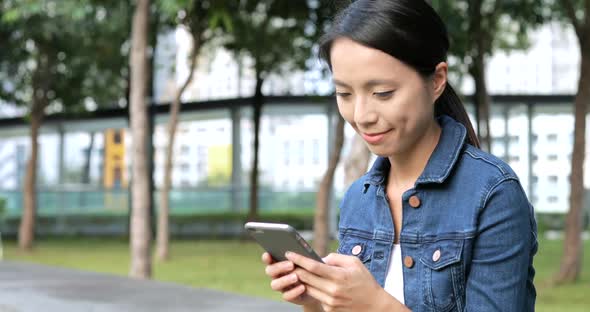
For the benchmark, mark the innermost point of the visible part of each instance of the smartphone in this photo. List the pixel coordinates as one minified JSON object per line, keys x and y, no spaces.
{"x":277,"y":238}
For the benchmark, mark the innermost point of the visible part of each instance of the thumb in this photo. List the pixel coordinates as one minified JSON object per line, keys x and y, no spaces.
{"x":338,"y":260}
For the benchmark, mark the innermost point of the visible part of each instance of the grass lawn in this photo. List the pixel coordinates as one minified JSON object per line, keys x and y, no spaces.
{"x":236,"y":267}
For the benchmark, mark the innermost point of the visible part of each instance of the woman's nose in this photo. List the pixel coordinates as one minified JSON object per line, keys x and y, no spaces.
{"x":364,"y":112}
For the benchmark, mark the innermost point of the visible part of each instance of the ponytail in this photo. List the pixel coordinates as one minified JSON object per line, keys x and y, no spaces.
{"x":450,"y":104}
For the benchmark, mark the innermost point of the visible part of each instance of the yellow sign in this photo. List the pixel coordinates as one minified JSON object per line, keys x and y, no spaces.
{"x":219,"y":164}
{"x":114,"y":159}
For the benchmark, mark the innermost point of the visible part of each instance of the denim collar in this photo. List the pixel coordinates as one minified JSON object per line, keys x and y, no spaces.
{"x":441,"y":161}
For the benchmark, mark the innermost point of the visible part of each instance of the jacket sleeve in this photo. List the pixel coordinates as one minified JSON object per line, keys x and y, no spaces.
{"x":500,"y":277}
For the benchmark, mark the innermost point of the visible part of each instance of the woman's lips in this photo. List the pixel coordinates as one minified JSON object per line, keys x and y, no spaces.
{"x":374,"y":138}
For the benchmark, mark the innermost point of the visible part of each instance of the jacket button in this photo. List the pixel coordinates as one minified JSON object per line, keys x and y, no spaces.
{"x":408,"y":262}
{"x":356,"y":250}
{"x":414,"y":201}
{"x":436,"y":255}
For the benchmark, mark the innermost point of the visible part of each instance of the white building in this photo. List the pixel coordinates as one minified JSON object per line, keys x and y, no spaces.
{"x":549,"y":66}
{"x":294,"y":147}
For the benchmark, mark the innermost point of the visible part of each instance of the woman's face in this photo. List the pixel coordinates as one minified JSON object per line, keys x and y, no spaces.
{"x":387,"y":102}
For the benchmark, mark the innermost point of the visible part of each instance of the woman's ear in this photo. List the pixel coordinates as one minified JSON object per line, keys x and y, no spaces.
{"x":439,"y":79}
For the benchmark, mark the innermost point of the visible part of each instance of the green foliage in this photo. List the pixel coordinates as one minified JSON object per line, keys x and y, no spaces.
{"x":277,"y":35}
{"x":200,"y":17}
{"x":69,"y":53}
{"x":501,"y":25}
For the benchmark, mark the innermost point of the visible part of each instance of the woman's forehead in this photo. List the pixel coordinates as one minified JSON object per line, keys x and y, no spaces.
{"x":354,"y":63}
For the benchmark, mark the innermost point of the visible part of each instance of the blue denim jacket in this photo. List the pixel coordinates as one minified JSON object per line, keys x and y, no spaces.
{"x":469,"y":208}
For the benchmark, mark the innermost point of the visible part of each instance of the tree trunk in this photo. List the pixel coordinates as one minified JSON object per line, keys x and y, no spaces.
{"x":479,"y":38}
{"x":41,"y":84}
{"x":320,"y":225}
{"x":26,"y":231}
{"x":163,"y":233}
{"x":257,"y":103}
{"x":482,"y":102}
{"x":571,"y":261}
{"x":140,"y":213}
{"x":88,"y":158}
{"x":357,"y":161}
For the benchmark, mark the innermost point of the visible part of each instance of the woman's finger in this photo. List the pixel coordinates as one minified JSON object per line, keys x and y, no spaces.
{"x":313,"y":266}
{"x":313,"y":280}
{"x":279,"y":268}
{"x":284,"y":282}
{"x":294,"y":292}
{"x":319,"y":295}
{"x":266,"y":258}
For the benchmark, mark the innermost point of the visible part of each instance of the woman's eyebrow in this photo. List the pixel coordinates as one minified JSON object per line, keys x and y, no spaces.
{"x":340,"y":83}
{"x":377,"y":82}
{"x":368,"y":84}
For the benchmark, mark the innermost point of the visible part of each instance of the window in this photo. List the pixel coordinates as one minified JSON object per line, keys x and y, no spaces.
{"x":316,"y":151}
{"x":553,"y":179}
{"x":552,"y":157}
{"x":287,"y":152}
{"x":117,"y":177}
{"x":201,"y":167}
{"x":202,"y":150}
{"x":185,"y":149}
{"x":535,"y":179}
{"x":117,"y":137}
{"x":513,"y":139}
{"x":552,"y":199}
{"x":301,"y":152}
{"x":552,"y":137}
{"x":513,"y":158}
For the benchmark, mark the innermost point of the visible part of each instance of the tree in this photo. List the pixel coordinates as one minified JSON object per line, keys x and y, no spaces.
{"x":200,"y":20}
{"x":278,"y":36}
{"x":85,"y":179}
{"x":578,"y":15}
{"x":320,"y":225}
{"x":56,"y":56}
{"x":477,"y":28}
{"x":140,"y":189}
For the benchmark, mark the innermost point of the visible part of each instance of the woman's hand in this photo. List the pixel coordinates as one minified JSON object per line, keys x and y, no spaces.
{"x":286,"y":282}
{"x":343,"y":284}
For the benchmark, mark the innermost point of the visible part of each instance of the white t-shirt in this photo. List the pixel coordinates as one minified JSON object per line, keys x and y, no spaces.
{"x":394,"y":281}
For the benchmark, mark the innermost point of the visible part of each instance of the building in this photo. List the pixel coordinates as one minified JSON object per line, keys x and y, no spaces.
{"x":295,"y":143}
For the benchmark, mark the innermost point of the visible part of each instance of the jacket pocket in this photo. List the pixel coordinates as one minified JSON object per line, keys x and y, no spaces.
{"x":443,"y":274}
{"x":358,"y":246}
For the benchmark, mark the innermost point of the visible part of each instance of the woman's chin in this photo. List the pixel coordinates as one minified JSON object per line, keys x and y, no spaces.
{"x":381,"y":151}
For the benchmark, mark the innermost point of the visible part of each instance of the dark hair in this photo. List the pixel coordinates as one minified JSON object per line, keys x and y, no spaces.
{"x":409,"y":30}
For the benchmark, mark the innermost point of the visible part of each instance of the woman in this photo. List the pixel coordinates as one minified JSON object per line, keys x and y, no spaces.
{"x":436,"y":224}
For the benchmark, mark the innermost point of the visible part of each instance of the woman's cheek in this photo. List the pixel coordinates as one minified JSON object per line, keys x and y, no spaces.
{"x":347,"y":112}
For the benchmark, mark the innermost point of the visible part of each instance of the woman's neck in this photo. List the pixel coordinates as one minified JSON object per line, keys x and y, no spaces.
{"x":408,"y":166}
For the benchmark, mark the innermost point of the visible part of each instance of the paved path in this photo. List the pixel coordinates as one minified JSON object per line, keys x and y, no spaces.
{"x":31,"y":288}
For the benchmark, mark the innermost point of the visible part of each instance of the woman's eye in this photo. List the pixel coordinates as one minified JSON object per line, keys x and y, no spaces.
{"x":383,"y":95}
{"x":342,"y":94}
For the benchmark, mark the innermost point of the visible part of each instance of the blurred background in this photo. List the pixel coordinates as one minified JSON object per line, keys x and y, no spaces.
{"x":230,"y":116}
